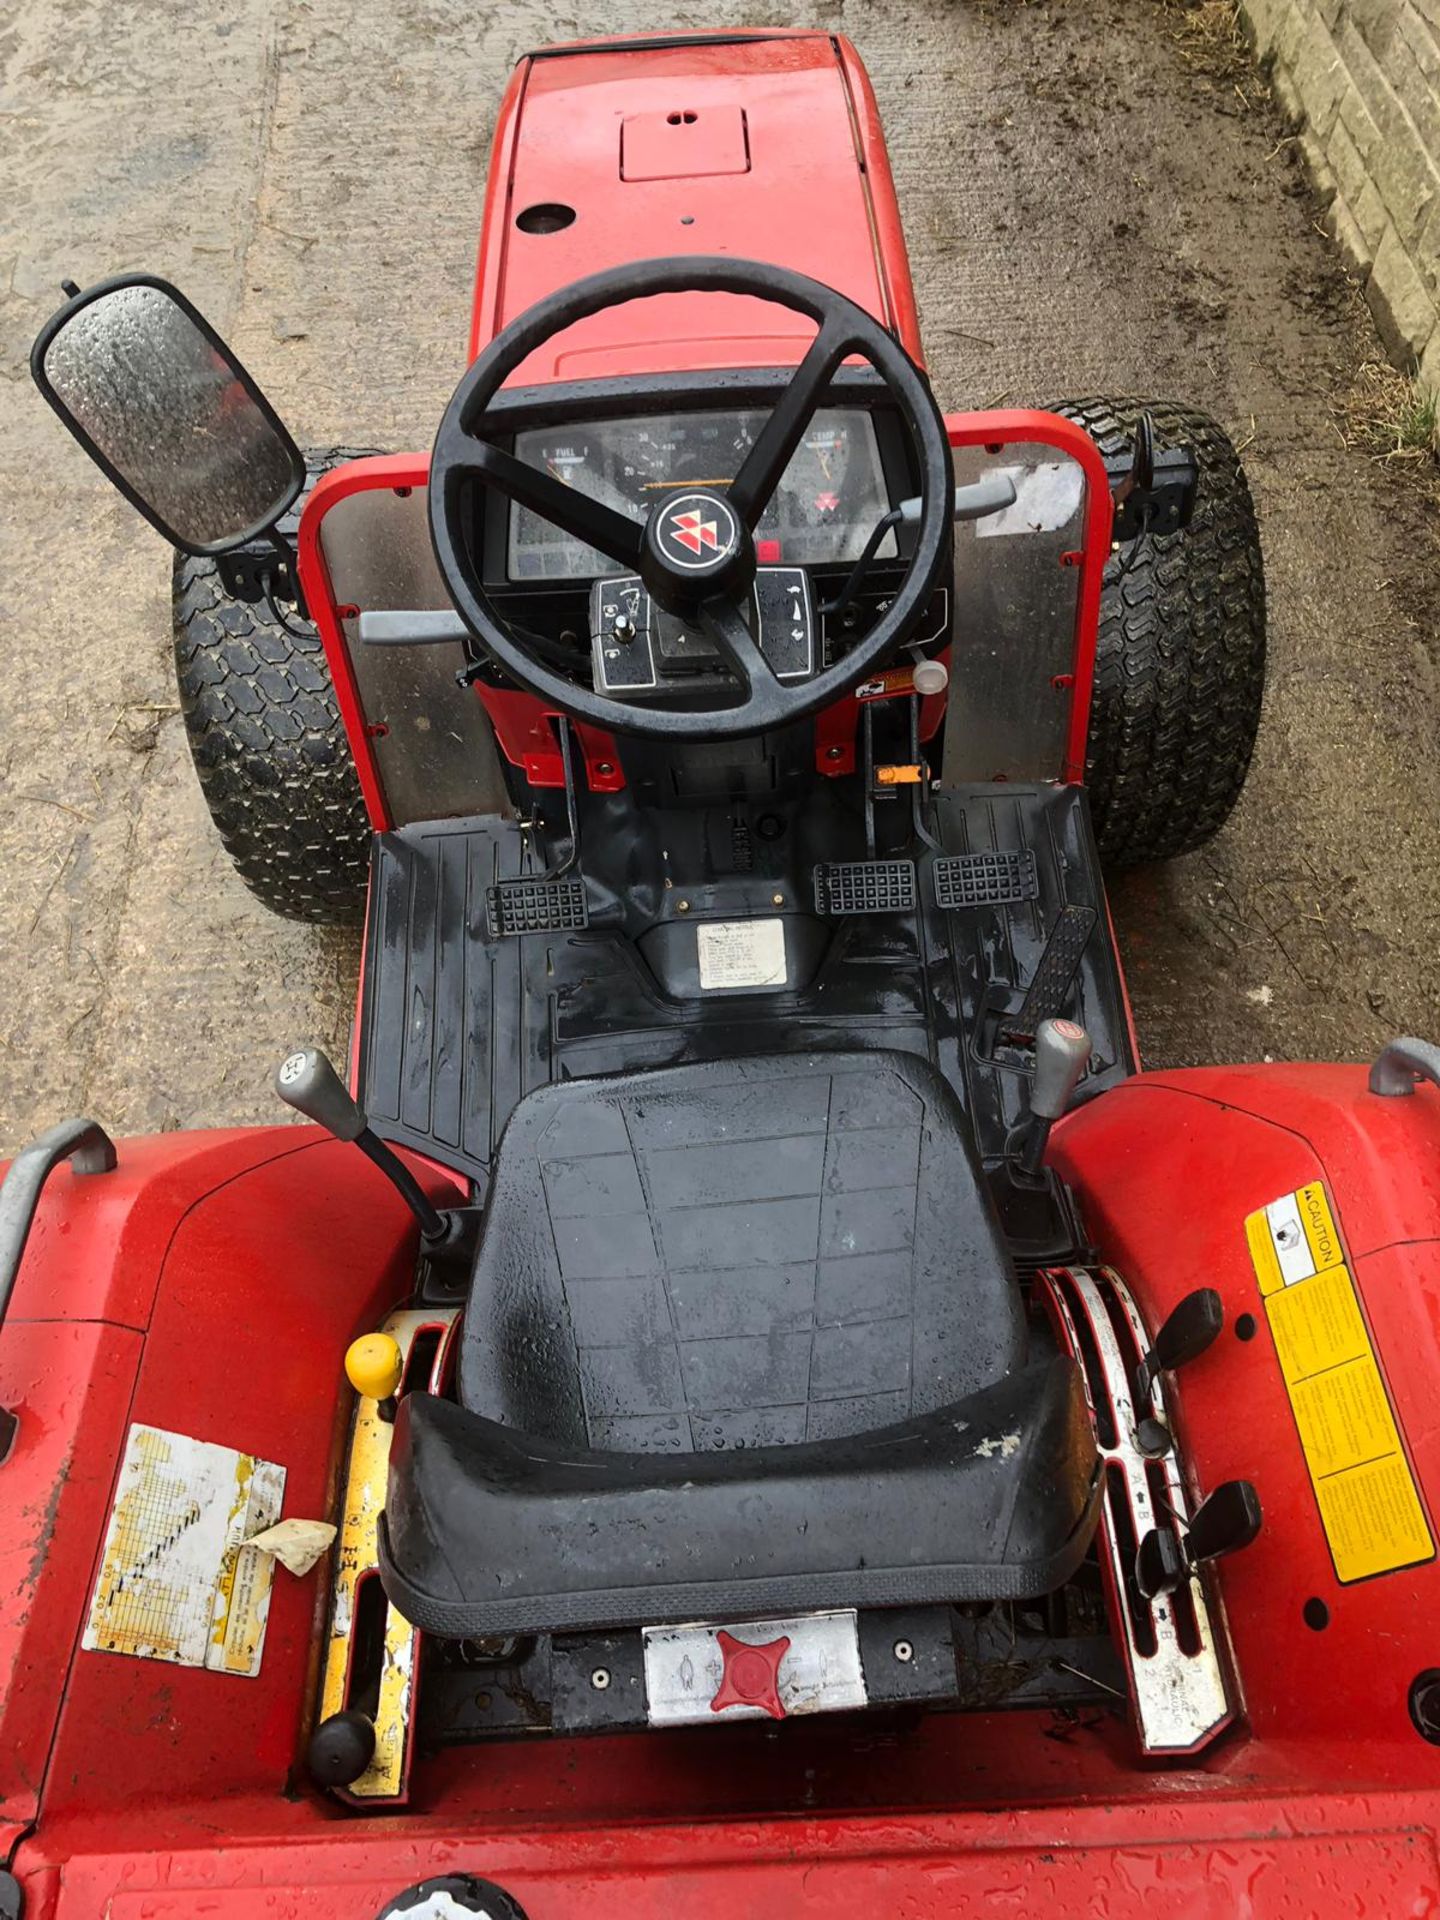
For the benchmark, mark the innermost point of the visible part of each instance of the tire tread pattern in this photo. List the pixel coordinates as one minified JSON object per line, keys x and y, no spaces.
{"x":1180,"y":669}
{"x":269,"y":745}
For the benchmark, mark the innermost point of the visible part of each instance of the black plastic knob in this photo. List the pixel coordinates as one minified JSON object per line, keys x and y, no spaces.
{"x":341,"y":1748}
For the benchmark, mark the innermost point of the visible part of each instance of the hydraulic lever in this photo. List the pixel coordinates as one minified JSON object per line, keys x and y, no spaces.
{"x":306,"y":1081}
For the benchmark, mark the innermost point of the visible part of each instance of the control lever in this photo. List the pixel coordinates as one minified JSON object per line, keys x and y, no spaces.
{"x":1224,"y":1522}
{"x":1062,"y":1052}
{"x":306,"y":1081}
{"x":991,"y":493}
{"x":1188,"y":1330}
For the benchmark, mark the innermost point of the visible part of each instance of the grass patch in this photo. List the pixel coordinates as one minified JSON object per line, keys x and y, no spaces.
{"x":1211,"y":36}
{"x":1391,"y":417}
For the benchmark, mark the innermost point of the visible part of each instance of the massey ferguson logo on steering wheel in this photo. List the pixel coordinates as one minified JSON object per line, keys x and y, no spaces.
{"x":696,"y":530}
{"x":693,"y":532}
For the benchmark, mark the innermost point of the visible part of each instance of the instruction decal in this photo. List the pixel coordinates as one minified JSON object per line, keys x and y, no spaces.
{"x":1369,"y":1503}
{"x":741,"y":953}
{"x":178,"y":1580}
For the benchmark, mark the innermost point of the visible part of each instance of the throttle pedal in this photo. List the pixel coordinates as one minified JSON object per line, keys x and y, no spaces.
{"x":864,"y":886}
{"x":1048,"y":994}
{"x":536,"y":906}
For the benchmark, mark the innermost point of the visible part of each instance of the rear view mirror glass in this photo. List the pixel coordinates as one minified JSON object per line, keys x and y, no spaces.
{"x":163,"y":407}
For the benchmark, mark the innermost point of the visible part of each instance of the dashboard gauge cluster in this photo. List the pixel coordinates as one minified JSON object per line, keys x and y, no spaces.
{"x":822,"y":513}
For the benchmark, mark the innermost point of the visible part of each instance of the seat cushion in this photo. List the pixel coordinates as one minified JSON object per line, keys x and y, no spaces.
{"x":487,"y":1531}
{"x":748,"y":1253}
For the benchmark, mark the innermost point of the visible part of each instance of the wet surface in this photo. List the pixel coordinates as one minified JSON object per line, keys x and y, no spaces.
{"x":1090,"y":208}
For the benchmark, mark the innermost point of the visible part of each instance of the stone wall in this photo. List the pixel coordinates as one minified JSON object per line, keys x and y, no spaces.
{"x":1362,"y":80}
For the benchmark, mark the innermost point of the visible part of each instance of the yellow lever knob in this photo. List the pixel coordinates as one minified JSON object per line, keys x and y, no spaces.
{"x":373,"y":1365}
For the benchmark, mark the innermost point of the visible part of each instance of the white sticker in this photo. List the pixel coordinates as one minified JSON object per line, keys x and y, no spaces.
{"x":741,"y":953}
{"x":1287,"y":1233}
{"x":177,"y":1579}
{"x":1047,"y":498}
{"x":818,"y":1671}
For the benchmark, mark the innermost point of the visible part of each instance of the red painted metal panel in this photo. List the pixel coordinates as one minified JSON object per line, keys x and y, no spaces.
{"x":808,"y":200}
{"x":266,"y":1278}
{"x":1290,"y":1856}
{"x":69,"y":1384}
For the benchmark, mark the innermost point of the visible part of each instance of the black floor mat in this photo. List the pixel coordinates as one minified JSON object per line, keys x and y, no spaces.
{"x":457,"y":1025}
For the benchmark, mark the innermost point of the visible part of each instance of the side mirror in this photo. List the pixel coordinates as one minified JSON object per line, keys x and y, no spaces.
{"x":167,"y":413}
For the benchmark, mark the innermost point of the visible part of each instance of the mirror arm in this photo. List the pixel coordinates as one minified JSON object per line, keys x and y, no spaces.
{"x":265,"y":564}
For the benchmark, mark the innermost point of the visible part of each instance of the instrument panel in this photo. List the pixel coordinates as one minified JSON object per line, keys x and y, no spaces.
{"x":823,"y":511}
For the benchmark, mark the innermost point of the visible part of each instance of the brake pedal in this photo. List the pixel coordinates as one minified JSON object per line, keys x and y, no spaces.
{"x":1048,"y":995}
{"x":965,"y":880}
{"x":536,"y":906}
{"x":864,"y":886}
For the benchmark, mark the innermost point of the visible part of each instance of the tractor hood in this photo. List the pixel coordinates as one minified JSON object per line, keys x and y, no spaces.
{"x":765,"y":146}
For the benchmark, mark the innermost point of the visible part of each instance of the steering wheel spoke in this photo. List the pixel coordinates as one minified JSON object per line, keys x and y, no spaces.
{"x":775,"y":446}
{"x":615,"y":534}
{"x":724,"y":623}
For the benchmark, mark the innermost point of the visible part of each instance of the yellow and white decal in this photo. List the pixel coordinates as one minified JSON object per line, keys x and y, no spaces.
{"x":1369,"y":1503}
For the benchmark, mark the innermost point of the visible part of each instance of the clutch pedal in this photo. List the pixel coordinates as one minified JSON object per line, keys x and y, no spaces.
{"x":864,"y":886}
{"x":965,"y":880}
{"x":536,"y":906}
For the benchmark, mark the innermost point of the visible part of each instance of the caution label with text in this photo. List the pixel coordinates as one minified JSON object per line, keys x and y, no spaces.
{"x":1369,"y":1504}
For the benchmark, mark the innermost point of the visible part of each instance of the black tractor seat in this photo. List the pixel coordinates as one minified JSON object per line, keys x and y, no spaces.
{"x":742,"y":1339}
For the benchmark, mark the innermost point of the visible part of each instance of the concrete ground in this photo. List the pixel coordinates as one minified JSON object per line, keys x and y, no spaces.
{"x":1095,"y":203}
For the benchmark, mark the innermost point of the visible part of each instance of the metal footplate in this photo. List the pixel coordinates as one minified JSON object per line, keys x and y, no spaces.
{"x":1174,"y":1645}
{"x":1048,"y":995}
{"x":536,"y":906}
{"x":965,"y":880}
{"x":864,"y":886}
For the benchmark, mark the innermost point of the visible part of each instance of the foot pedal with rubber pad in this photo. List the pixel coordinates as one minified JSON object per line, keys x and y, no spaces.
{"x":536,"y":906}
{"x":965,"y":880}
{"x":864,"y":886}
{"x":1048,"y":995}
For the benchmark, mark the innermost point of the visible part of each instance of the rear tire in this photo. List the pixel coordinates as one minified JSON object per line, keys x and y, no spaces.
{"x":1180,"y":670}
{"x":269,"y":746}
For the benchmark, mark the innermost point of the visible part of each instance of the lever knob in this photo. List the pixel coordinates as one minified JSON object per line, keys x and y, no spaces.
{"x":373,"y":1365}
{"x":1062,"y":1050}
{"x":306,"y":1081}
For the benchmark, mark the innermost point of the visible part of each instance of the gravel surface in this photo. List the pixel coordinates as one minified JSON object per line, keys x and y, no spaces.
{"x":1098,"y":198}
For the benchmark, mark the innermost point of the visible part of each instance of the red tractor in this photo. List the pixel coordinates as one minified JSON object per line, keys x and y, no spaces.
{"x":824,"y":1430}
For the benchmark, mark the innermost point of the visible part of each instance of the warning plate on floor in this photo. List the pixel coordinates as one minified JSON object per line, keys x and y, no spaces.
{"x":741,"y":953}
{"x":177,"y":1581}
{"x":1369,"y":1504}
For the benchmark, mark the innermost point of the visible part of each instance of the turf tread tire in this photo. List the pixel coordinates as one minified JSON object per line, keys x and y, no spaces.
{"x":269,"y":745}
{"x":1180,"y":669}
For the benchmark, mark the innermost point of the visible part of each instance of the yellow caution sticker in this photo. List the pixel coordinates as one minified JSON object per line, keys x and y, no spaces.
{"x":1369,"y":1503}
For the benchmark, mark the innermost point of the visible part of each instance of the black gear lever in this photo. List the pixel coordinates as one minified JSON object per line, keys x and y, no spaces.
{"x":306,"y":1081}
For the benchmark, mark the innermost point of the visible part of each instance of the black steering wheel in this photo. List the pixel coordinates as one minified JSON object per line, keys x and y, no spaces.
{"x":709,"y":586}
